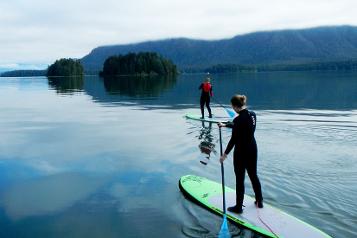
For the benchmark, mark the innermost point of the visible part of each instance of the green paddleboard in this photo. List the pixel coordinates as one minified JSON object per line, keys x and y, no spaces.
{"x":268,"y":221}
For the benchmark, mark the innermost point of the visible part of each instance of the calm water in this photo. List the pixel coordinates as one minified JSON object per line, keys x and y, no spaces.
{"x":102,"y":158}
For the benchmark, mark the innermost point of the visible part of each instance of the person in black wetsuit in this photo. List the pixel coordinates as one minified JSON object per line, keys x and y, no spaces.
{"x":245,"y":151}
{"x":206,"y":95}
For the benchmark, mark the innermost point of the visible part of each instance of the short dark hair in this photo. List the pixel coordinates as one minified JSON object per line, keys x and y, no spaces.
{"x":239,"y":100}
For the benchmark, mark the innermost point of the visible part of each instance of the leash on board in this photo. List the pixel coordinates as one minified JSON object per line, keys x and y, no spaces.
{"x":265,"y":224}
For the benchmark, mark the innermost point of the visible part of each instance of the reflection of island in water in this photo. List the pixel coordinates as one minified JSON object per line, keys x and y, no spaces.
{"x":265,"y":91}
{"x":66,"y":85}
{"x":138,"y":86}
{"x":206,"y":142}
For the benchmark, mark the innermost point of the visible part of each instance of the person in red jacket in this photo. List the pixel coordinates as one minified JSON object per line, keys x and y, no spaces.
{"x":206,"y":95}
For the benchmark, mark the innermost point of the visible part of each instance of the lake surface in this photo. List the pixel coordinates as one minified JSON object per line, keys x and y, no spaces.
{"x":99,"y":157}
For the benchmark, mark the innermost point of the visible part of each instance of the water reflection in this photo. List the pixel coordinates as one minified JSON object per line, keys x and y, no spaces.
{"x":48,"y":194}
{"x":268,"y":91}
{"x":66,"y":85}
{"x":307,"y":157}
{"x":291,"y":90}
{"x":206,"y":145}
{"x":138,"y":86}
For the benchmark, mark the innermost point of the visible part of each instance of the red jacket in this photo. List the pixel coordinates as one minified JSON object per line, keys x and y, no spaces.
{"x":206,"y":88}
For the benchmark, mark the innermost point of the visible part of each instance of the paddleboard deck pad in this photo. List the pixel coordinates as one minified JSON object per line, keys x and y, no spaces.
{"x":268,"y":221}
{"x":206,"y":119}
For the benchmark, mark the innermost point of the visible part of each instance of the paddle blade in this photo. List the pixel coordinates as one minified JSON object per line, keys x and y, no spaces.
{"x":231,"y":113}
{"x":224,"y":232}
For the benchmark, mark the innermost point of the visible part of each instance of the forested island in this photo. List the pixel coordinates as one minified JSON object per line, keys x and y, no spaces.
{"x":65,"y":67}
{"x":138,"y":64}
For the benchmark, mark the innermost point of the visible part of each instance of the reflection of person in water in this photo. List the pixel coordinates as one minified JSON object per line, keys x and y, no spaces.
{"x":206,"y":146}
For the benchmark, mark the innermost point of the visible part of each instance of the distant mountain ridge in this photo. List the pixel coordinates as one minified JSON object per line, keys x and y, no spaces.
{"x":321,"y":44}
{"x":24,"y":73}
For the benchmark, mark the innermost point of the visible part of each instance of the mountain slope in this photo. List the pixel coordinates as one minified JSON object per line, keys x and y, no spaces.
{"x":272,"y":47}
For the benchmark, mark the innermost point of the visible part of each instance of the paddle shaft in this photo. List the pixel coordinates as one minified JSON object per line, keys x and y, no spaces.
{"x":222,"y":172}
{"x":216,"y":101}
{"x":230,"y":113}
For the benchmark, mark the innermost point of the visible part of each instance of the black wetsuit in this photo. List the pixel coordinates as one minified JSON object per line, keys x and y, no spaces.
{"x":205,"y":99}
{"x":245,"y":153}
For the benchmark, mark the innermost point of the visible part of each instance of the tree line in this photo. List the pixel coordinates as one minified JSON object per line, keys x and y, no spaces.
{"x":24,"y":73}
{"x":65,"y":67}
{"x":140,"y":64}
{"x":348,"y":65}
{"x":151,"y":64}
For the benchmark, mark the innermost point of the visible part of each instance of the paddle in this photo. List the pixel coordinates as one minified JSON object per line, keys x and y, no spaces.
{"x":230,"y":112}
{"x":224,"y":232}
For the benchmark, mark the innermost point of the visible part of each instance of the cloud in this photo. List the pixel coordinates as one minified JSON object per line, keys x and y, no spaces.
{"x":48,"y":194}
{"x":9,"y":66}
{"x":41,"y":31}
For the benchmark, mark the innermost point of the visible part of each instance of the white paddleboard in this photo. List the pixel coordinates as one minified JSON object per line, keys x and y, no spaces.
{"x":268,"y":221}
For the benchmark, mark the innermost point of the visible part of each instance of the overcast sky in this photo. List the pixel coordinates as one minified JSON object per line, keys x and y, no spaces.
{"x":40,"y":31}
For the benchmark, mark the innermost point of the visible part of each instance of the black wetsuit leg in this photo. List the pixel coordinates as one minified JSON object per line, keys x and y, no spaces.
{"x":251,"y":167}
{"x":202,"y":104}
{"x":239,"y":170}
{"x":208,"y":100}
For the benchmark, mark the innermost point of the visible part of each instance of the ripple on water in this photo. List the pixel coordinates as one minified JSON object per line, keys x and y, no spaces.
{"x":307,"y":164}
